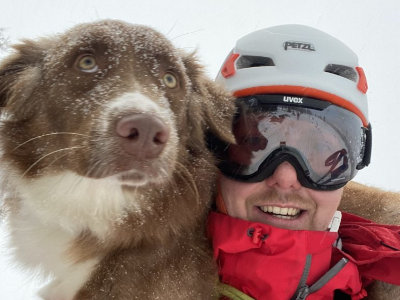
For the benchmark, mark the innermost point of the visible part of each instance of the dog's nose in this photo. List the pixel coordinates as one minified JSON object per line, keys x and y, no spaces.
{"x":144,"y":135}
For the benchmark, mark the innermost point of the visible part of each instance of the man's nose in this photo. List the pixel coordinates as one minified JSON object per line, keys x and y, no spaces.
{"x":284,"y":177}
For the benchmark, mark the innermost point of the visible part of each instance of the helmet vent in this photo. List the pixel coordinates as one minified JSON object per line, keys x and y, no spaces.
{"x":343,"y":71}
{"x":248,"y":61}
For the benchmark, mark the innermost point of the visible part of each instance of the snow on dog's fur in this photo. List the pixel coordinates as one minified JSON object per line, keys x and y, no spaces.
{"x":105,"y":166}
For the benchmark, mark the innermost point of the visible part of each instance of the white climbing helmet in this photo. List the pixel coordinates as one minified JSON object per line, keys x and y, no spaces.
{"x":296,"y":60}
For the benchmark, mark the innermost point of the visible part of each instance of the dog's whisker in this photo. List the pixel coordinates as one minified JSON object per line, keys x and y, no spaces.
{"x":187,"y":33}
{"x":188,"y":179}
{"x":93,"y":170}
{"x":75,"y":184}
{"x":49,"y":134}
{"x":172,"y":28}
{"x":163,"y":173}
{"x":58,"y":158}
{"x":80,"y":179}
{"x":47,"y":155}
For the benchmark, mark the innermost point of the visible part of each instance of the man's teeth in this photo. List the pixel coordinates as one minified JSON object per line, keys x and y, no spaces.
{"x":283,"y":211}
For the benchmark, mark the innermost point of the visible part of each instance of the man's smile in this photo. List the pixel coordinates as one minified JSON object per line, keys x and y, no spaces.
{"x":281,"y":212}
{"x":287,"y":217}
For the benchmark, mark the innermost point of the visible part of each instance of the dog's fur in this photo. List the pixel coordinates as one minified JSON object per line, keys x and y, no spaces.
{"x":371,"y":203}
{"x":106,"y":223}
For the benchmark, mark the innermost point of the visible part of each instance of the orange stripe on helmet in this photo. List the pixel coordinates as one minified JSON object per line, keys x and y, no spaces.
{"x":303,"y":91}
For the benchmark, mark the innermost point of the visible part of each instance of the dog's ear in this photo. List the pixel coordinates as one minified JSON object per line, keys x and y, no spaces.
{"x":211,"y":108}
{"x":18,"y":71}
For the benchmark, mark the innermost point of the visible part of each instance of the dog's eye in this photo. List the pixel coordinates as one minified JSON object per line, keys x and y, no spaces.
{"x":87,"y":63}
{"x":170,"y":80}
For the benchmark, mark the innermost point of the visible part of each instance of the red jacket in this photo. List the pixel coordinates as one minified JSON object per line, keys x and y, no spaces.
{"x":266,"y":262}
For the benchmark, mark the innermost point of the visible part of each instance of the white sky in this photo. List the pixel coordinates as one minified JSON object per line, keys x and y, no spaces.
{"x":370,"y":27}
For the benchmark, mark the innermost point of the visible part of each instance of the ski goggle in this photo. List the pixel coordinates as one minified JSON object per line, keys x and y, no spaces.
{"x":325,"y":143}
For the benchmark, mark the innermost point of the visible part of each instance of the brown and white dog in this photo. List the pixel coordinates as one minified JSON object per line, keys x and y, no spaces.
{"x":105,"y":169}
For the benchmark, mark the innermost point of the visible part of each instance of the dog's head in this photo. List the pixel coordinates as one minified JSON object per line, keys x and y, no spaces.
{"x":105,"y":109}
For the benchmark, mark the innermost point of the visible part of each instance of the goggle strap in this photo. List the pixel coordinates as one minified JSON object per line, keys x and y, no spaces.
{"x":368,"y":146}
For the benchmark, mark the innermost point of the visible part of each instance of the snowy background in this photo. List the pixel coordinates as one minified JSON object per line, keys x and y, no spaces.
{"x":370,"y":27}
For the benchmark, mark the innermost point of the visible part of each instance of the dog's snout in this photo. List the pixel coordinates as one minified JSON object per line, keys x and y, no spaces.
{"x":144,"y":135}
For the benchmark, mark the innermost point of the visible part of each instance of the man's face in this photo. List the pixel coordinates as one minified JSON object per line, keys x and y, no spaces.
{"x":280,"y":201}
